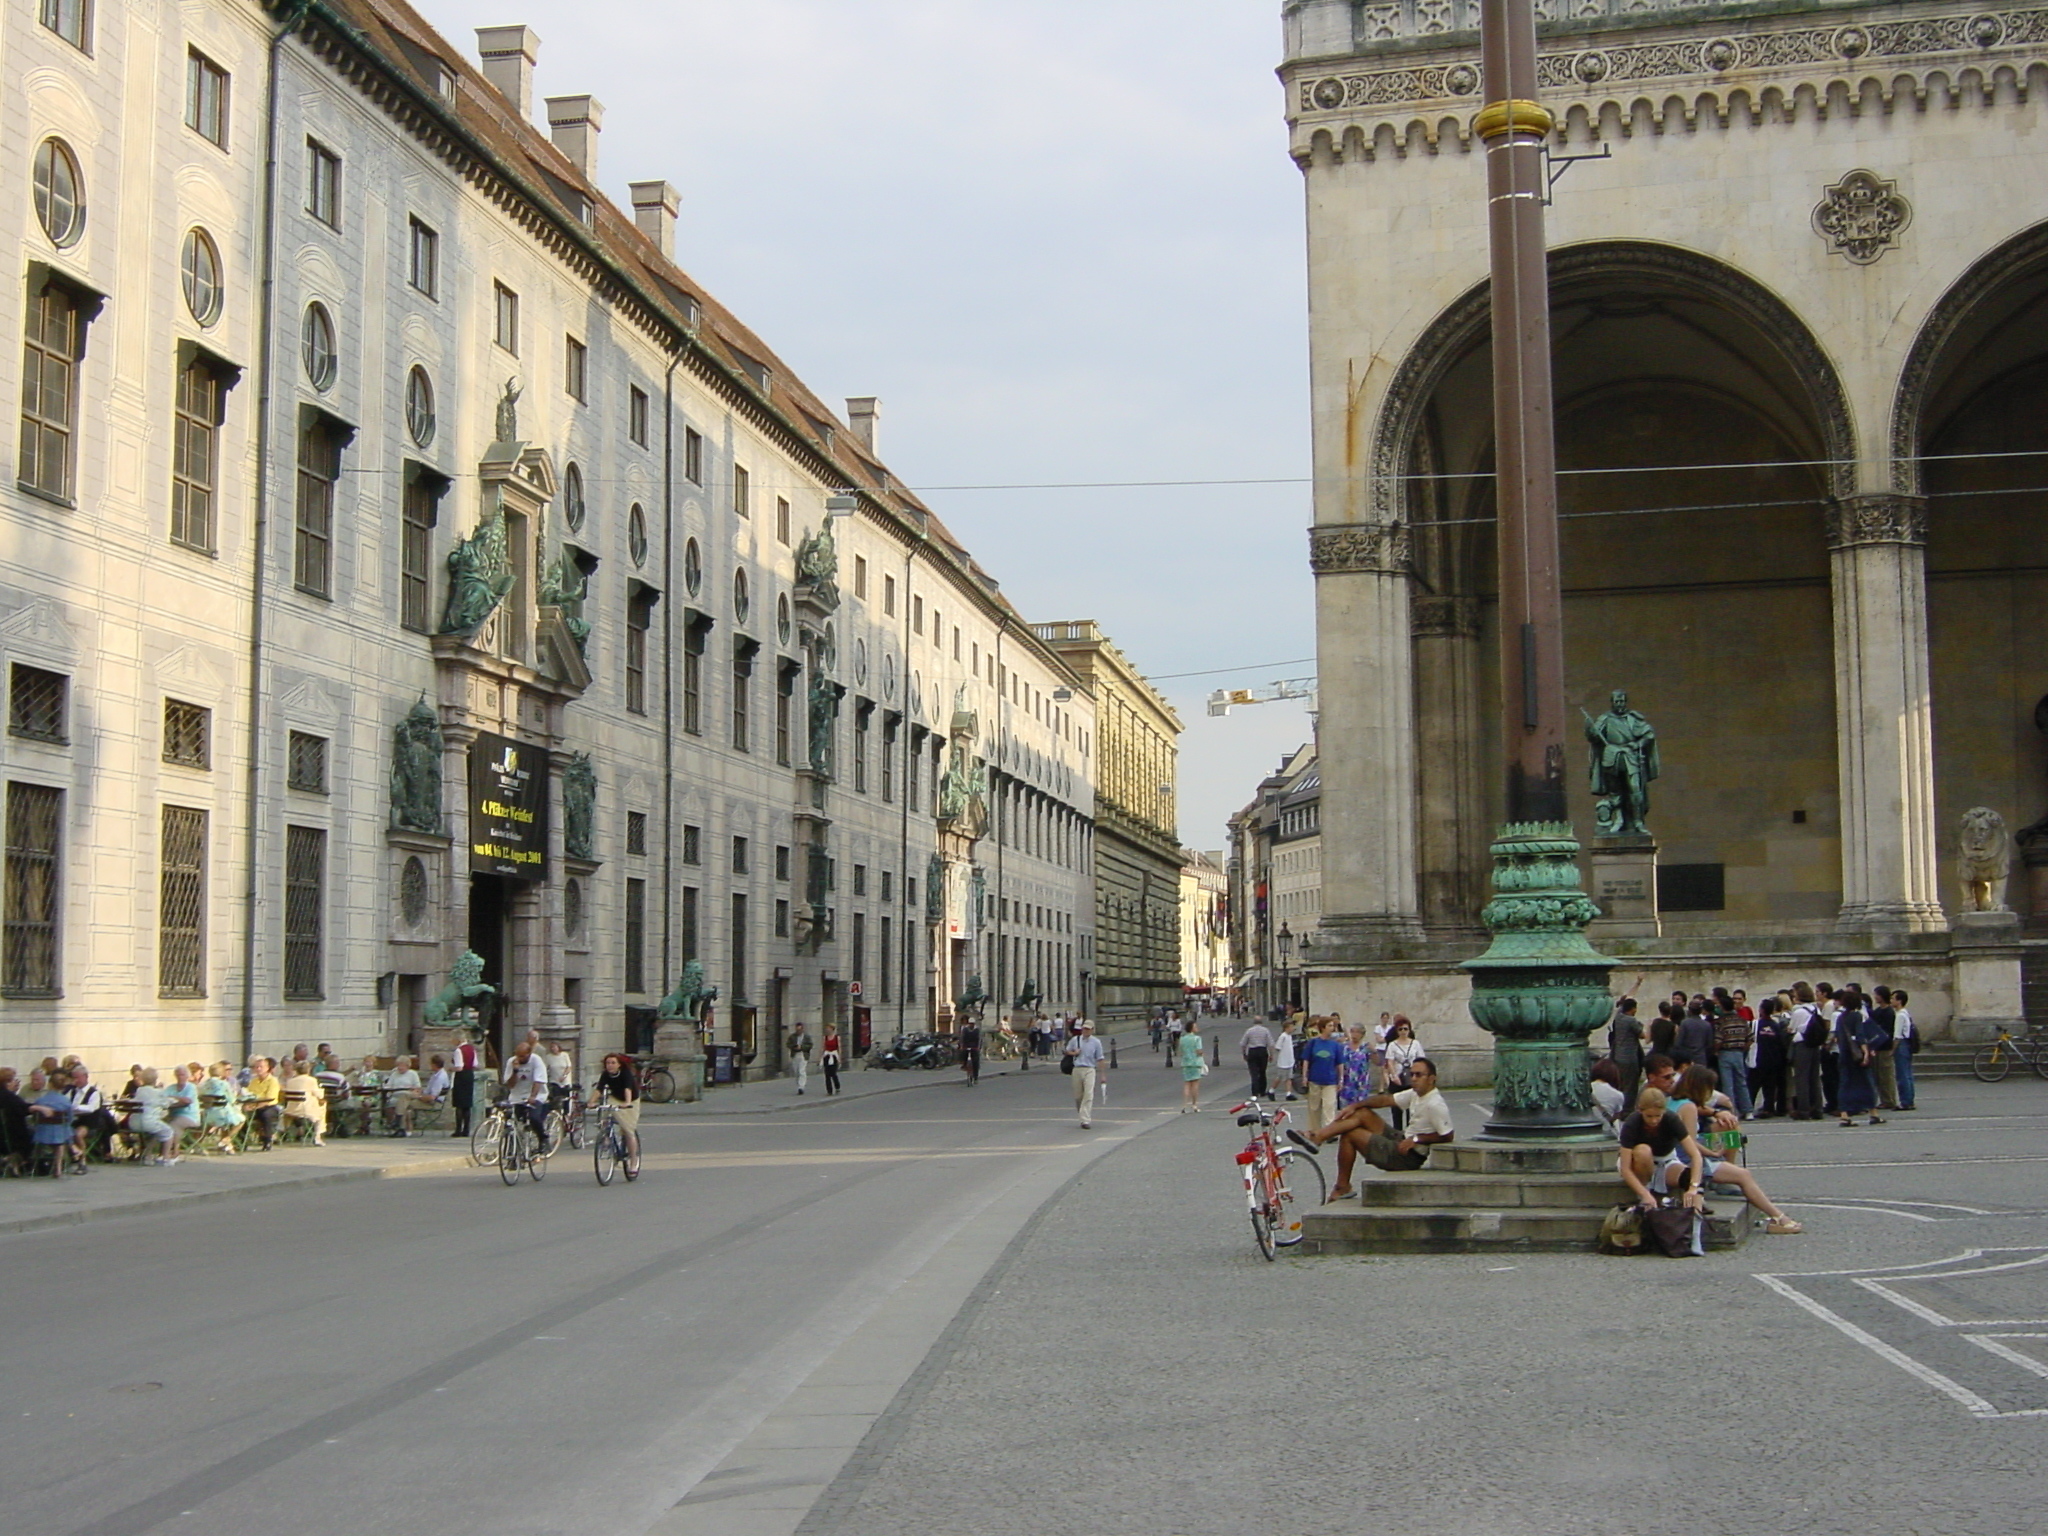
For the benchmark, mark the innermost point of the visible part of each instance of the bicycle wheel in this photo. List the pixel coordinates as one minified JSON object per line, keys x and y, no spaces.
{"x":1262,"y":1233}
{"x":658,"y":1087}
{"x":483,"y":1141}
{"x":510,"y":1145}
{"x":1305,"y":1178}
{"x":1992,"y":1063}
{"x":536,"y":1159}
{"x":2041,"y":1059}
{"x":578,"y":1139}
{"x":602,"y":1154}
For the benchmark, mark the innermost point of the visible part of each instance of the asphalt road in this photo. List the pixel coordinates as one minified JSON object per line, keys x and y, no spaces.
{"x":447,"y":1354}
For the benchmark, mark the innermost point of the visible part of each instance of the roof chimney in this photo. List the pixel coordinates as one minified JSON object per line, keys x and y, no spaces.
{"x":507,"y":54}
{"x":574,"y":123}
{"x":864,"y":415}
{"x":654,"y":211}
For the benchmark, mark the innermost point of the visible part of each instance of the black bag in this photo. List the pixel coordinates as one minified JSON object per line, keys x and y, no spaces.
{"x":1674,"y":1232}
{"x":1067,"y":1063}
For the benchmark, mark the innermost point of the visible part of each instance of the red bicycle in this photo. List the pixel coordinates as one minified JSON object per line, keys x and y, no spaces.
{"x":1267,"y":1168}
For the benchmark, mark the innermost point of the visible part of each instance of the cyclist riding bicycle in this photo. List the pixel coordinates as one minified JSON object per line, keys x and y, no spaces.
{"x":620,"y":1083}
{"x":526,"y":1090}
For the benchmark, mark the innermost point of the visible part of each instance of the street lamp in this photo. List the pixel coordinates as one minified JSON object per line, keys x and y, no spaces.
{"x":1286,"y":943}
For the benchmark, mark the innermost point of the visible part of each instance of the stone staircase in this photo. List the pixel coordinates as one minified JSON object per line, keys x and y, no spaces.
{"x":1479,"y":1197}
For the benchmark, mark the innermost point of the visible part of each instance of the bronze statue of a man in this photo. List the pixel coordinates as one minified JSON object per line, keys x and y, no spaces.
{"x":1624,"y":763}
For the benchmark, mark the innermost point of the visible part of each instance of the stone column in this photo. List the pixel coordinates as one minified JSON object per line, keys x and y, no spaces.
{"x":1883,"y":709}
{"x":1365,"y":684}
{"x":1450,"y":789}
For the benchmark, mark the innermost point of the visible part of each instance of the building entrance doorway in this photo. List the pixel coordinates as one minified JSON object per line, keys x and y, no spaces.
{"x":490,"y":930}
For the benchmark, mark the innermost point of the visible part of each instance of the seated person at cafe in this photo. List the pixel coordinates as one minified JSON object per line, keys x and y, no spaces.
{"x":15,"y":1130}
{"x":181,"y":1102}
{"x":400,"y":1084}
{"x":146,"y":1121}
{"x":261,"y":1097}
{"x":305,"y":1099}
{"x":431,"y":1095}
{"x":91,"y":1120}
{"x":51,"y":1114}
{"x":1358,"y":1129}
{"x":218,"y":1110}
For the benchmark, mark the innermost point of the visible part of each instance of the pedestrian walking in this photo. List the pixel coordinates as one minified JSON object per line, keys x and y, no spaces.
{"x":1884,"y":1019}
{"x":1905,"y":1046}
{"x":1767,"y":1077}
{"x":1809,"y":1033}
{"x":1257,"y":1048}
{"x":1194,"y":1066}
{"x":828,"y":1059}
{"x":1283,"y":1061}
{"x":1084,"y":1051}
{"x":463,"y":1094}
{"x":800,"y":1056}
{"x":1323,"y":1055}
{"x":1856,"y":1046}
{"x":1733,"y":1037}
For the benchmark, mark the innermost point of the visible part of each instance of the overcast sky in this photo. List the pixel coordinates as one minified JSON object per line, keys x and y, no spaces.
{"x":1060,"y":239}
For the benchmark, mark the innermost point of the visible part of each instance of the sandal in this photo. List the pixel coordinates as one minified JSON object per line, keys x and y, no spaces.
{"x":1783,"y":1226}
{"x":1341,"y":1192}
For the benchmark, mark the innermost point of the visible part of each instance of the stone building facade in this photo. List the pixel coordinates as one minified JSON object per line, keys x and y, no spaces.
{"x":1800,"y":365}
{"x":403,"y":555}
{"x":1276,"y":859}
{"x":1205,"y":969}
{"x":1136,"y":959}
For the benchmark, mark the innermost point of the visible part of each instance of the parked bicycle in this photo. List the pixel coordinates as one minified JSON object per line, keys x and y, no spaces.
{"x":566,"y":1121}
{"x":657,"y":1083}
{"x":610,"y":1148}
{"x":1276,"y":1223}
{"x":1995,"y":1060}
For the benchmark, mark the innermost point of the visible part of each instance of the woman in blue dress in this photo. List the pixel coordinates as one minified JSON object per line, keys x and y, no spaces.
{"x":1192,"y":1069}
{"x":1354,"y":1071}
{"x":1855,"y":1048}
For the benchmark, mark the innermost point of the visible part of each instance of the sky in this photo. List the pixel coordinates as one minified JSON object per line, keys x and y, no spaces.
{"x":1061,"y":240}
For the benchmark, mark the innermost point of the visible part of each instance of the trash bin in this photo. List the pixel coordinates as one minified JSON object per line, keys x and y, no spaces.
{"x":725,"y":1066}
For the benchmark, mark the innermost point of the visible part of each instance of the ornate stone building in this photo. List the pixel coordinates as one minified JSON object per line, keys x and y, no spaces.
{"x":403,"y":555}
{"x":1799,"y":264}
{"x":1276,"y":847}
{"x":1136,"y":960}
{"x":1205,"y":969}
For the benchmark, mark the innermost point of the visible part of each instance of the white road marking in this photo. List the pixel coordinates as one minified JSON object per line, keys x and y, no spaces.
{"x":2005,"y":1352}
{"x":1868,"y":1210}
{"x":1870,"y":1341}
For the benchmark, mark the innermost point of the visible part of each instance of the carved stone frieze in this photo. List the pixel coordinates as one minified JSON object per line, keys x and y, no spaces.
{"x":1351,"y":547}
{"x":1854,"y":520}
{"x":1433,"y":618}
{"x":1861,"y":216}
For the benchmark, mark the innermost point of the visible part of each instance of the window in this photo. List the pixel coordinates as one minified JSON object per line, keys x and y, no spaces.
{"x":860,"y":576}
{"x":889,"y":730}
{"x":860,"y":946}
{"x":782,"y":862}
{"x":188,"y":734}
{"x":693,"y":566}
{"x":421,"y":511}
{"x":687,"y":923}
{"x":316,"y":346}
{"x":574,"y":510}
{"x":636,"y":414}
{"x":572,"y":900}
{"x":860,"y":748}
{"x":740,"y":964}
{"x":739,"y":855}
{"x":424,"y":268}
{"x":181,"y":904}
{"x":206,"y":98}
{"x":28,"y":957}
{"x":693,"y":455}
{"x":636,"y":935}
{"x":305,"y":889}
{"x":937,"y":641}
{"x":782,"y":919}
{"x":323,"y":183}
{"x":639,"y":619}
{"x":782,"y":519}
{"x":910,"y":762}
{"x":742,"y":693}
{"x":54,"y":341}
{"x":636,"y":534}
{"x":860,"y":879}
{"x":917,"y":615}
{"x":419,"y":406}
{"x":195,"y":455}
{"x":70,"y":20}
{"x":313,"y":536}
{"x":59,"y":194}
{"x":199,"y":269}
{"x":885,"y":956}
{"x":36,"y":704}
{"x":742,"y":492}
{"x":693,"y":845}
{"x":507,"y":319}
{"x":888,"y":886}
{"x":306,"y":763}
{"x":694,"y":637}
{"x":636,"y":834}
{"x":956,"y":642}
{"x":785,"y":705}
{"x":889,"y":594}
{"x":576,"y":370}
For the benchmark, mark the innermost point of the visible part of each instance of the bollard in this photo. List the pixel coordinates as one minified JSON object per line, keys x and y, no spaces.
{"x":1216,"y":1052}
{"x":1112,"y":1051}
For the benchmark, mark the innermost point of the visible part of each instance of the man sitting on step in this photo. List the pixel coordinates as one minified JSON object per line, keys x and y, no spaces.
{"x":1358,"y":1129}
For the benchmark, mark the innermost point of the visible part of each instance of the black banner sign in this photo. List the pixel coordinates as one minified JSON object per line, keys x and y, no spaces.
{"x":508,"y":808}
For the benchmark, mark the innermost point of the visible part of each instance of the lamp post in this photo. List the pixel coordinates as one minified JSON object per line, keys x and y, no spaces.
{"x":1286,"y":942}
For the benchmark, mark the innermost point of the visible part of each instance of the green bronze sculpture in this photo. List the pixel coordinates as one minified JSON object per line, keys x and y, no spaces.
{"x":416,"y":771}
{"x":1624,"y":763}
{"x":1027,"y":997}
{"x":480,"y":575}
{"x":974,"y":999}
{"x":579,"y":806}
{"x":564,"y":589}
{"x":935,"y":889}
{"x":817,"y":567}
{"x":824,"y":710}
{"x":690,"y":998}
{"x":460,"y":1003}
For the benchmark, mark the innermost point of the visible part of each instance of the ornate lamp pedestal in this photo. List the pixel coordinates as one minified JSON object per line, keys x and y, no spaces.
{"x":1540,"y":989}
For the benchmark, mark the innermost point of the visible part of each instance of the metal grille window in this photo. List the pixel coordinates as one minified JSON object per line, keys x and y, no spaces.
{"x":35,"y":818}
{"x":195,"y":439}
{"x":572,"y":908}
{"x":188,"y":734}
{"x":313,"y":545}
{"x":636,"y":833}
{"x":636,"y":935}
{"x":306,"y":762}
{"x":181,"y":904}
{"x":305,"y":894}
{"x":422,"y":510}
{"x":412,"y":892}
{"x":206,"y":98}
{"x":693,"y":845}
{"x":323,"y":183}
{"x":36,"y":703}
{"x":49,"y":389}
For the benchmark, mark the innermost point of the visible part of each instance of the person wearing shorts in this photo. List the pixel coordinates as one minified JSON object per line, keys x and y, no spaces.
{"x":1359,"y":1131}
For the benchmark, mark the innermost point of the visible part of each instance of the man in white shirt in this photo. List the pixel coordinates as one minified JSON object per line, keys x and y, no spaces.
{"x":428,"y":1095}
{"x":1358,"y":1129}
{"x":1283,"y":1061}
{"x":1086,"y":1053}
{"x":400,"y":1084}
{"x":526,"y":1089}
{"x":1905,"y":1041}
{"x":1256,"y":1047}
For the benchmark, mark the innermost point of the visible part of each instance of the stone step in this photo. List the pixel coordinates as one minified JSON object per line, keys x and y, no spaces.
{"x":1346,"y":1228}
{"x":1590,"y":1155}
{"x":1564,"y":1191}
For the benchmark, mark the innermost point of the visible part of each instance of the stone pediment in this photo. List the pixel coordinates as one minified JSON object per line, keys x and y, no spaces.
{"x":38,"y":627}
{"x":187,"y":673}
{"x":310,"y":700}
{"x":560,"y":657}
{"x":521,"y":475}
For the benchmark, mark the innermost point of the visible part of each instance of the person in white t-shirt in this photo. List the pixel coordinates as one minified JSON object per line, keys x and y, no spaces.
{"x":526,"y":1089}
{"x":1359,"y":1130}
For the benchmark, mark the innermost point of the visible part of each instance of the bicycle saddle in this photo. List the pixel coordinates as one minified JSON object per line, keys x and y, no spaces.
{"x":1253,"y":1120}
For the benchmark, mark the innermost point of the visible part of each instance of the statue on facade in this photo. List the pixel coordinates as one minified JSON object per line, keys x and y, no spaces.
{"x":1624,"y":762}
{"x":459,"y":1005}
{"x":690,"y":998}
{"x":963,"y":792}
{"x":508,"y":413}
{"x":979,"y":889}
{"x":480,"y":575}
{"x":1986,"y":858}
{"x":1027,"y":997}
{"x":564,"y":589}
{"x":824,"y":710}
{"x":935,"y":889}
{"x":416,"y":771}
{"x":817,"y":567}
{"x":579,"y":806}
{"x":973,"y":1000}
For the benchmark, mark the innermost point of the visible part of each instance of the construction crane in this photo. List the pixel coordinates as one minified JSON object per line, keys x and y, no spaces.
{"x":1223,"y":700}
